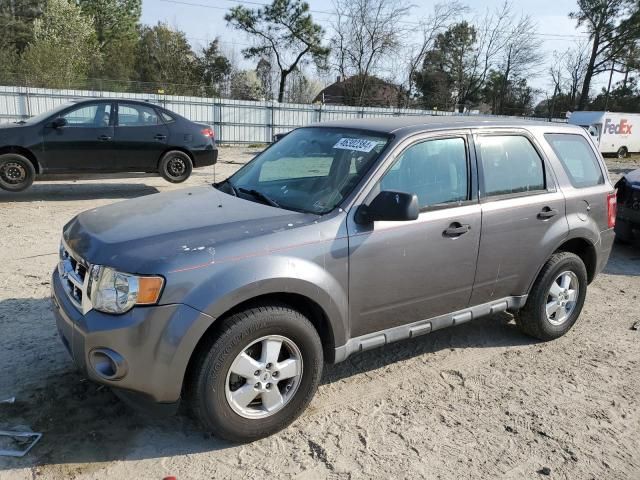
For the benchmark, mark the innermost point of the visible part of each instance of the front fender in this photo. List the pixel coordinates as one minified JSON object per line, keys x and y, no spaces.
{"x":217,"y":288}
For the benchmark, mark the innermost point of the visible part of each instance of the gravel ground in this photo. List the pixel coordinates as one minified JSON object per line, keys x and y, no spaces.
{"x":476,"y":401}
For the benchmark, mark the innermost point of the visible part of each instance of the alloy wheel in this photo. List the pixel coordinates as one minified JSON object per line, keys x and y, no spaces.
{"x":562,"y":297}
{"x":264,"y":377}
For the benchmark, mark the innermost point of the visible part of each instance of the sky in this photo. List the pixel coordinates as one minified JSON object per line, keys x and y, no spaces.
{"x":204,"y":20}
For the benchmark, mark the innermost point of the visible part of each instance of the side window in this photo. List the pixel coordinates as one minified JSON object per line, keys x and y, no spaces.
{"x":510,"y":164}
{"x":95,"y":115}
{"x":577,"y":158}
{"x":131,"y":115}
{"x":166,"y":117}
{"x":435,"y":170}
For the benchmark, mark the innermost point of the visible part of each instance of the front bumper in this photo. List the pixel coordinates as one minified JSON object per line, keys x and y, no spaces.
{"x":155,"y":343}
{"x":629,"y":214}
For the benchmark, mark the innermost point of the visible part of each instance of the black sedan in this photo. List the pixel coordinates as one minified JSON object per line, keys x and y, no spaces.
{"x":628,"y":217}
{"x":103,"y":136}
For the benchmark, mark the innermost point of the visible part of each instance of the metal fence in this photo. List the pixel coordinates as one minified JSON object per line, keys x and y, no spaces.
{"x":235,"y":121}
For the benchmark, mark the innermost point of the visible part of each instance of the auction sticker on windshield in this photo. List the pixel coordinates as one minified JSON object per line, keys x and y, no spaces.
{"x":357,"y":144}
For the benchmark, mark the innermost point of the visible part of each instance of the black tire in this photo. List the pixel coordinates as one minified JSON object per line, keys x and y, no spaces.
{"x":17,"y":173}
{"x":624,"y":231}
{"x":622,"y":152}
{"x":206,"y":386}
{"x":532,"y":318}
{"x":175,"y":166}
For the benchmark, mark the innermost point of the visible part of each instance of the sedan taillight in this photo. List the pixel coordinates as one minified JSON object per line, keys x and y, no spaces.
{"x":208,"y":132}
{"x":611,"y":209}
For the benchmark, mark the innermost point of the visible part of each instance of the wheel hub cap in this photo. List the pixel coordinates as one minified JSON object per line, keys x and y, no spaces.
{"x":562,"y":298}
{"x":177,"y":167}
{"x":264,"y":377}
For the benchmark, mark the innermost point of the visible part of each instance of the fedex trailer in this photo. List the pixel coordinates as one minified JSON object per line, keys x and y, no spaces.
{"x":614,"y":133}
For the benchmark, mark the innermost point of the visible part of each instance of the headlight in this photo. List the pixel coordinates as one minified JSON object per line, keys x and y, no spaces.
{"x":116,"y":292}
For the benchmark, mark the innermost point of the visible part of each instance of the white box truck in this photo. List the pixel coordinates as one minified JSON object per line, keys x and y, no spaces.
{"x":617,"y":133}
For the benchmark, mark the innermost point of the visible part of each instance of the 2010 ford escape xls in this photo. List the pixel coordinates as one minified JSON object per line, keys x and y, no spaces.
{"x":340,"y":237}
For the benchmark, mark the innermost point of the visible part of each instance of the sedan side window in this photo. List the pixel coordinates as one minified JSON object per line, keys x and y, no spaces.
{"x":510,"y":165}
{"x":92,"y":116}
{"x":131,"y":115}
{"x":435,"y":170}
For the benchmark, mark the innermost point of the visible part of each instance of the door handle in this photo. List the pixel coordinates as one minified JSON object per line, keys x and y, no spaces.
{"x":104,"y":138}
{"x":547,"y":213}
{"x":159,"y":136}
{"x":456,"y":229}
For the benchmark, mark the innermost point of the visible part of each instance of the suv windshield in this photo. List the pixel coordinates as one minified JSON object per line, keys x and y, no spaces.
{"x":310,"y":170}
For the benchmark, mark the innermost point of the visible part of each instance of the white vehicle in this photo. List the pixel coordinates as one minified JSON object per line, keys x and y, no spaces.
{"x":617,"y":133}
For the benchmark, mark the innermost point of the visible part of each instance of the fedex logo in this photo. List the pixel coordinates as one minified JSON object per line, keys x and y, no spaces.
{"x":622,"y":128}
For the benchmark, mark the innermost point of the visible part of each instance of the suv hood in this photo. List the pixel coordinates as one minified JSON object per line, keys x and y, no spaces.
{"x":161,"y":232}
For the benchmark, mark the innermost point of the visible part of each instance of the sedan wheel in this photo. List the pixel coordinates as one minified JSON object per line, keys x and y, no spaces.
{"x":16,"y":172}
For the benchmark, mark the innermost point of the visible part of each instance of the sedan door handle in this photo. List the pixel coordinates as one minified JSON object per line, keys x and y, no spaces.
{"x":456,"y":229}
{"x":159,"y":136}
{"x":547,"y":213}
{"x":104,"y":138}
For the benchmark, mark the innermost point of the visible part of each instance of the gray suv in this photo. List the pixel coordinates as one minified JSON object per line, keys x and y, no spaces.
{"x":339,"y":238}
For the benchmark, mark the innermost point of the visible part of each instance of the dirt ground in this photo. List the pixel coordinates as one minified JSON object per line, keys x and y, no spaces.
{"x":476,"y":401}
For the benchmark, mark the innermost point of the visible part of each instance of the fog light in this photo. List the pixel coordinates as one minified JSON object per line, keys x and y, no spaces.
{"x":108,"y":364}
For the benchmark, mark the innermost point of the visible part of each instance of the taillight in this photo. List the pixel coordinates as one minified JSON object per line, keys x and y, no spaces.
{"x":208,"y":132}
{"x":611,"y":209}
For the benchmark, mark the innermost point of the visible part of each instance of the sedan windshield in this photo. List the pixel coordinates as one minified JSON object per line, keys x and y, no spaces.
{"x":310,"y":170}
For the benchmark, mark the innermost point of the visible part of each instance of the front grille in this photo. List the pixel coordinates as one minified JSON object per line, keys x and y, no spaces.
{"x":74,"y":275}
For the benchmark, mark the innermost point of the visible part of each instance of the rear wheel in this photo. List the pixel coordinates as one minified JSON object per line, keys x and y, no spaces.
{"x":257,"y":375}
{"x":556,"y":299}
{"x":622,"y":152}
{"x":175,"y":166}
{"x":16,"y":172}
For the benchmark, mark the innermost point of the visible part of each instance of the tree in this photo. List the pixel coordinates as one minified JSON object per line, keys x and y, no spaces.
{"x":116,"y":34}
{"x":245,"y":85}
{"x":164,"y":57}
{"x":16,"y":22}
{"x":520,"y":57}
{"x":613,"y":27}
{"x":284,"y":29}
{"x":301,"y":89}
{"x":366,"y":33}
{"x":441,"y":18}
{"x":63,"y":46}
{"x":212,"y":68}
{"x":264,"y":72}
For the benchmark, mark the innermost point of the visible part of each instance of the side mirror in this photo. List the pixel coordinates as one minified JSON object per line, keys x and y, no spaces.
{"x":59,"y":122}
{"x":390,"y":206}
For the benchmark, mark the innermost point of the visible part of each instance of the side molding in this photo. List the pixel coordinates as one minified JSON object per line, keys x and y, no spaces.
{"x":421,"y":327}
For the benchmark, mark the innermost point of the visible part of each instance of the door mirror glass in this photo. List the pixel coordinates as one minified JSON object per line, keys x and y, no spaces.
{"x":389,"y":205}
{"x":59,"y":122}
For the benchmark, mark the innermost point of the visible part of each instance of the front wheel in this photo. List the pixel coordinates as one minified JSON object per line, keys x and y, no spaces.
{"x":175,"y":166}
{"x":556,"y":299}
{"x":16,"y":172}
{"x":258,"y":373}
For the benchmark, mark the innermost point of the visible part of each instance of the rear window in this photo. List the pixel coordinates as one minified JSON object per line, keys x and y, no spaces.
{"x":577,"y":158}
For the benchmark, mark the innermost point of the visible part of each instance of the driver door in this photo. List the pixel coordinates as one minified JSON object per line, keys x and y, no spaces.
{"x":403,"y":272}
{"x":85,"y":143}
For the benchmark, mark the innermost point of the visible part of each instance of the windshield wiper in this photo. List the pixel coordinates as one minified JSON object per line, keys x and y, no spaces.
{"x":20,"y":122}
{"x":259,"y":196}
{"x":232,"y":187}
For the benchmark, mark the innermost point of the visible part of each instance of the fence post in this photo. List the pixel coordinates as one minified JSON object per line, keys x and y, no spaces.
{"x":217,"y":118}
{"x":271,"y":124}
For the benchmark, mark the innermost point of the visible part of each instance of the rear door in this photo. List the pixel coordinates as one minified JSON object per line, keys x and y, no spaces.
{"x":523,"y":211}
{"x":140,"y":137}
{"x":402,"y":272}
{"x":85,"y":143}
